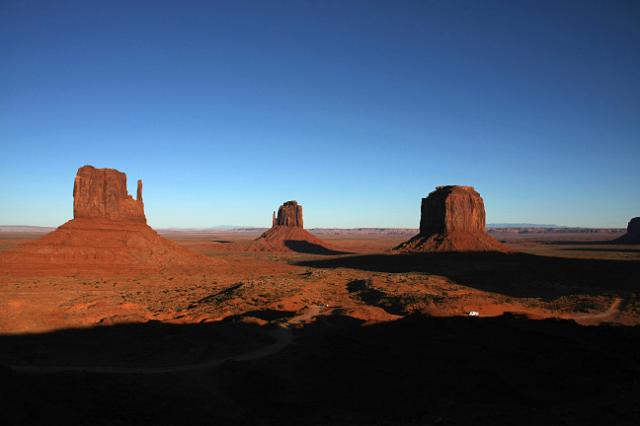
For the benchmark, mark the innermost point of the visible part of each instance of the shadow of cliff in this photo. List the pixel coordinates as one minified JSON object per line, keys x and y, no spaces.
{"x":417,"y":370}
{"x":151,"y":344}
{"x":602,"y":249}
{"x":613,"y":242}
{"x":518,"y":274}
{"x":362,"y":290}
{"x":301,"y":246}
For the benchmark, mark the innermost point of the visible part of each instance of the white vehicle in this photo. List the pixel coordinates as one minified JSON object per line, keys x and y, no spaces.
{"x":474,"y":314}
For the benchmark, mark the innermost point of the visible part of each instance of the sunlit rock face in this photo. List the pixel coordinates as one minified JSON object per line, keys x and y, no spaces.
{"x":289,"y":214}
{"x":102,"y":194}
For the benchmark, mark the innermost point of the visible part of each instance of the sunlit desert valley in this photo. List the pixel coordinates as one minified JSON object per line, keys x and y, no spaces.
{"x":423,"y":320}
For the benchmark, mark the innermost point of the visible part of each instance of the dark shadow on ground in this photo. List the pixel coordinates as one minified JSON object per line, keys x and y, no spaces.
{"x":516,"y":275}
{"x":269,"y":314}
{"x":363,"y":290}
{"x":219,"y":296}
{"x":301,"y":246}
{"x":612,"y":250}
{"x":415,"y":371}
{"x":585,"y":243}
{"x":152,"y":344}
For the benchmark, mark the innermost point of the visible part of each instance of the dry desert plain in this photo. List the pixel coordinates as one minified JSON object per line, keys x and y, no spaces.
{"x":365,"y":336}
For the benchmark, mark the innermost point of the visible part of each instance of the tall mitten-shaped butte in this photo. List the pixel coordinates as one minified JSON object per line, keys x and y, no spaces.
{"x":102,"y":194}
{"x":108,"y":231}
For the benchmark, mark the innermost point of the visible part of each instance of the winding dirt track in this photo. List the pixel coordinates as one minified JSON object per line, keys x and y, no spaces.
{"x":283,"y":337}
{"x":609,"y":314}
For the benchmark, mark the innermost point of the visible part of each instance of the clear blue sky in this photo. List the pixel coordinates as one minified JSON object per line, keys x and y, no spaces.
{"x":355,"y":109}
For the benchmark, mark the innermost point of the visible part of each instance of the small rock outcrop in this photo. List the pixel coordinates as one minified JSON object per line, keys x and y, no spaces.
{"x":287,"y":234}
{"x":452,"y":219}
{"x":108,"y":232}
{"x":633,"y":233}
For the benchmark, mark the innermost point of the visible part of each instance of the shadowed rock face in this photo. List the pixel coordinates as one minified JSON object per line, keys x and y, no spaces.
{"x":452,"y":219}
{"x":633,"y":228}
{"x":633,"y":232}
{"x":289,"y":214}
{"x":102,"y":194}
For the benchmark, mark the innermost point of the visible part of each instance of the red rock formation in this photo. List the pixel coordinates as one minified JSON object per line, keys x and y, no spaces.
{"x":109,"y":230}
{"x":102,"y":193}
{"x":287,"y":234}
{"x":290,"y":214}
{"x":633,"y":233}
{"x":452,"y":219}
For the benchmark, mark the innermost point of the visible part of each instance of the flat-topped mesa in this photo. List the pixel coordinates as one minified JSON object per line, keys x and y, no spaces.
{"x":289,"y":214}
{"x":450,"y":209}
{"x":452,"y":219}
{"x":633,"y":233}
{"x":102,"y":194}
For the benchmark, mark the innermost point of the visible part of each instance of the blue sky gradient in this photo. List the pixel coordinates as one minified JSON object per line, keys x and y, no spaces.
{"x":355,"y":109}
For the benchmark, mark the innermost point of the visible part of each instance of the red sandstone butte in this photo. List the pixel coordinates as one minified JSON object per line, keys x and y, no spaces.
{"x":288,"y":234}
{"x":452,"y":219}
{"x":109,"y":231}
{"x":633,"y":233}
{"x":290,"y":214}
{"x":102,"y":193}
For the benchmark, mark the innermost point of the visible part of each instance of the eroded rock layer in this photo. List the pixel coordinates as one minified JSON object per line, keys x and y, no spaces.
{"x":452,"y":219}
